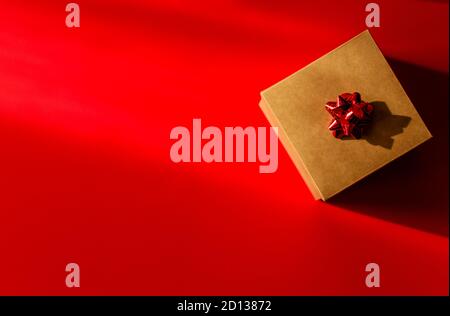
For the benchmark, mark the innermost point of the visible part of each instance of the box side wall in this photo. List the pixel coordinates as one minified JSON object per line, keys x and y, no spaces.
{"x":292,"y":152}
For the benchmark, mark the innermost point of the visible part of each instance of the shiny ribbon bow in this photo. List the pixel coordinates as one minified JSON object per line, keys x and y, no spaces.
{"x":350,"y":115}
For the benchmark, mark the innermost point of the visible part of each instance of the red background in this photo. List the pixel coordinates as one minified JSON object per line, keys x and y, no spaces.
{"x":86,"y":177}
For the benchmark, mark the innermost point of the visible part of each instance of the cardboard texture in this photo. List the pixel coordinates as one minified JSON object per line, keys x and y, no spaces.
{"x":296,"y":106}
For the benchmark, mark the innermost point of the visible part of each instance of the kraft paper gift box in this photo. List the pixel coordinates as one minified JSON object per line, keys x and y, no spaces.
{"x":296,"y":105}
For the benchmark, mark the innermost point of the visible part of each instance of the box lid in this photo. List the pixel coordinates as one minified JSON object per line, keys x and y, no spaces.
{"x":296,"y":106}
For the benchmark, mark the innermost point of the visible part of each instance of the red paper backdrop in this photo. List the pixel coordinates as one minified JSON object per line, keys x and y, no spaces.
{"x":85,"y":173}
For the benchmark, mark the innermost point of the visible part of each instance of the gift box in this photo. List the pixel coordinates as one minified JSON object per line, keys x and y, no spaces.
{"x":328,"y":160}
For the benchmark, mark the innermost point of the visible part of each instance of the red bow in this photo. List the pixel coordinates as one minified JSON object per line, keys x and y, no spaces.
{"x":350,"y":115}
